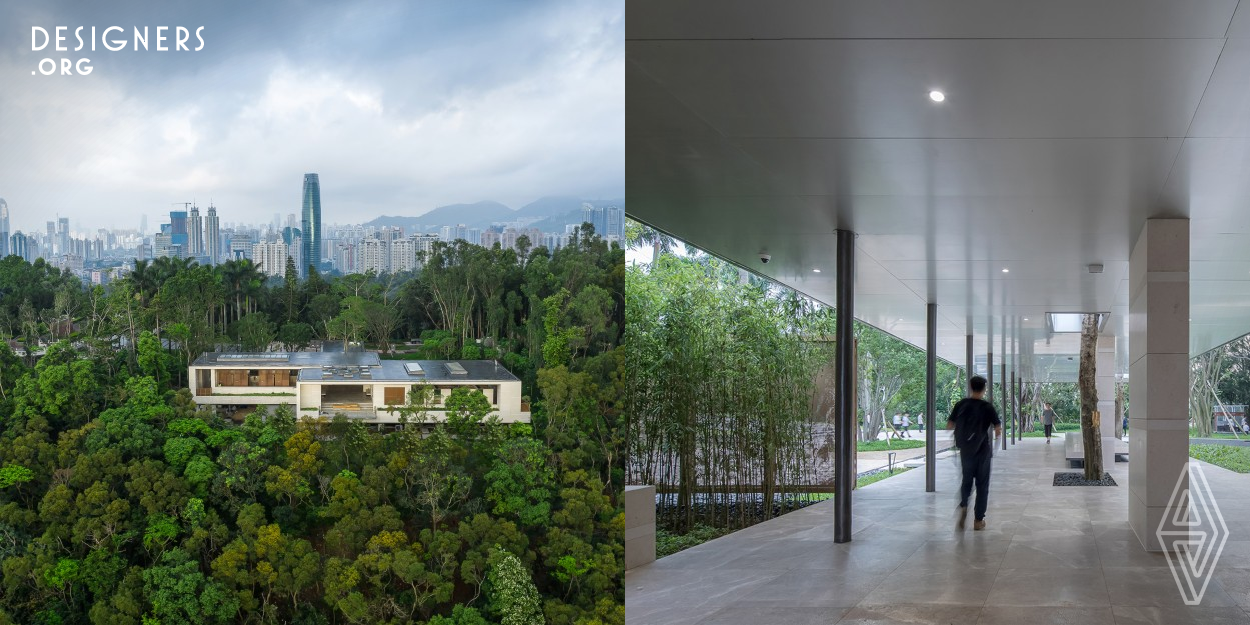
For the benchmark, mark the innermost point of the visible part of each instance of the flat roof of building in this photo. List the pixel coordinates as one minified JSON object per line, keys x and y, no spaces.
{"x":398,"y":371}
{"x":287,"y":359}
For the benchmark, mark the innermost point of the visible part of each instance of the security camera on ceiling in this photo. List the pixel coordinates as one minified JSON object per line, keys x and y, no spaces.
{"x":765,"y":257}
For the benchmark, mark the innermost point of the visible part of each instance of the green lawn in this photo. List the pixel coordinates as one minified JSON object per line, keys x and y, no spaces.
{"x":907,"y":443}
{"x":1231,"y":458}
{"x":877,"y":477}
{"x":1040,"y":432}
{"x":864,"y":481}
{"x":1194,"y":434}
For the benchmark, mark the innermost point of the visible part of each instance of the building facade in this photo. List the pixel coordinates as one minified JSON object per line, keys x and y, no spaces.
{"x":270,"y":257}
{"x":195,"y":233}
{"x":356,"y":384}
{"x":212,"y":236}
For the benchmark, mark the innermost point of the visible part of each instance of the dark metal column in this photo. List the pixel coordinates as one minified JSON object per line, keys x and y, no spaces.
{"x":1011,"y":392}
{"x":989,"y":370}
{"x":844,"y":388}
{"x":1019,"y":412}
{"x":1002,"y":370}
{"x":930,"y":402}
{"x":968,"y":372}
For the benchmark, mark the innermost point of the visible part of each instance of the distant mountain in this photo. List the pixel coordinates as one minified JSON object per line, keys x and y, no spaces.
{"x":548,"y":214}
{"x":472,"y":215}
{"x":556,"y":223}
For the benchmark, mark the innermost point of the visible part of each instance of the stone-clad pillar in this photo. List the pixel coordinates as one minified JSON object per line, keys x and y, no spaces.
{"x":1158,"y":374}
{"x":1104,"y":383}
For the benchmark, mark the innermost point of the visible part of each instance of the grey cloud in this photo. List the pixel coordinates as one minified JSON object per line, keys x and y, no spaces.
{"x":399,"y":106}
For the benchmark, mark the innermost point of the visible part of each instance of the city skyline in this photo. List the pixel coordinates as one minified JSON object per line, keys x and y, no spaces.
{"x":406,"y":108}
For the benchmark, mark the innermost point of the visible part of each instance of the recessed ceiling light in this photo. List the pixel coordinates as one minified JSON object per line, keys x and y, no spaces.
{"x":900,"y":318}
{"x":1026,"y":318}
{"x":815,"y":271}
{"x":1006,"y":270}
{"x":937,"y":96}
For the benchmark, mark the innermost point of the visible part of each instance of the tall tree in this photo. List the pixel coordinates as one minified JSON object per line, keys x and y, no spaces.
{"x":1091,"y":435}
{"x":1205,"y":374}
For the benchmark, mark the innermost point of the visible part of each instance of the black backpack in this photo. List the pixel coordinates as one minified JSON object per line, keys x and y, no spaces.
{"x":971,"y":426}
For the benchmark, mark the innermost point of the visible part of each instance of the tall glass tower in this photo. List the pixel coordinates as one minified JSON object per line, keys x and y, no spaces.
{"x":4,"y":228}
{"x":212,"y":236}
{"x":310,"y":212}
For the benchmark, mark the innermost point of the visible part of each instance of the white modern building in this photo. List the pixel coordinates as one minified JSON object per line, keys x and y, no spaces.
{"x":270,"y":257}
{"x":356,"y":384}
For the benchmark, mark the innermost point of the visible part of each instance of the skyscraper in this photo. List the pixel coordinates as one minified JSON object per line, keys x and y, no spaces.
{"x":270,"y":257}
{"x":310,"y":212}
{"x":616,"y":224}
{"x":51,"y":237}
{"x":4,"y":228}
{"x":212,"y":236}
{"x":195,"y":233}
{"x":178,"y":232}
{"x":17,"y":245}
{"x":62,"y":232}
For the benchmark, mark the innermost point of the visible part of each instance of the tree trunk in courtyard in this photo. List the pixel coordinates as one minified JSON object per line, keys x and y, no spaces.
{"x":1090,"y":426}
{"x":1119,"y":410}
{"x":1205,"y":374}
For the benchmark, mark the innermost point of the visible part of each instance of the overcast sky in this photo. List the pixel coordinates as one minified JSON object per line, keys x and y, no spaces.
{"x":399,"y":106}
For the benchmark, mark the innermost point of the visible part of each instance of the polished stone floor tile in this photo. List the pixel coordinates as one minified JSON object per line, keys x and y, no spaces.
{"x":781,"y":615}
{"x":1077,"y":552}
{"x":810,"y":589}
{"x":1045,"y":615}
{"x":1136,"y":615}
{"x":955,"y":586}
{"x":905,"y":614}
{"x":1233,"y":581}
{"x":1153,"y":586}
{"x":662,"y":598}
{"x":1050,"y":556}
{"x":1119,"y":553}
{"x":1060,"y":587}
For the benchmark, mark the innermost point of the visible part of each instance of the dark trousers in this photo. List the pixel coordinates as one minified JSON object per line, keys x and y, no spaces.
{"x":1049,"y":428}
{"x":976,"y":468}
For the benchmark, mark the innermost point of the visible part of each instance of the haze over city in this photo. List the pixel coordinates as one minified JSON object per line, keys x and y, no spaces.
{"x":399,"y":107}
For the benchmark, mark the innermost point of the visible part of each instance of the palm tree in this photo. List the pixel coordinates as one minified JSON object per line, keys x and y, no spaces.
{"x":251,"y":279}
{"x":144,"y":280}
{"x":638,"y":233}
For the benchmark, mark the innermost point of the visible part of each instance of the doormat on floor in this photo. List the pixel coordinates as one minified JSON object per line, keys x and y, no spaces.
{"x":1078,"y":479}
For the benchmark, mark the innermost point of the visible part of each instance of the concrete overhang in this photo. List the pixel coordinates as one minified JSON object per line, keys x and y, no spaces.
{"x":761,"y":126}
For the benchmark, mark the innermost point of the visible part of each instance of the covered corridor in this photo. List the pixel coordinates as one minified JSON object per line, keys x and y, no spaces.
{"x":1048,"y":555}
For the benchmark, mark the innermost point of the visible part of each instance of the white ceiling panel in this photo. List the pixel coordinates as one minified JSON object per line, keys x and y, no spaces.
{"x":1067,"y":124}
{"x":995,"y":88}
{"x":929,"y":19}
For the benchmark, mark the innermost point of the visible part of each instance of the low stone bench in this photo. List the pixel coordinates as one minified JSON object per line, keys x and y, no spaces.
{"x":639,"y":526}
{"x":1074,"y":449}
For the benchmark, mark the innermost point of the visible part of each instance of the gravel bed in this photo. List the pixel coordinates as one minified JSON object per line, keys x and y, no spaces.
{"x":1078,"y":479}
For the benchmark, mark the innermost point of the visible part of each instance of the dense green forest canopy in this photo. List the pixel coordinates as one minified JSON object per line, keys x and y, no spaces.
{"x":122,"y":502}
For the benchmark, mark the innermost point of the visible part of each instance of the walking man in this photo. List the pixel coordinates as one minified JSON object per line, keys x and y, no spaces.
{"x":907,"y":424}
{"x":971,"y":419}
{"x":1048,"y":420}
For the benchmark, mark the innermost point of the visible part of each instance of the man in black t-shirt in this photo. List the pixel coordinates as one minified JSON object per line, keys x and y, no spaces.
{"x":971,"y":420}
